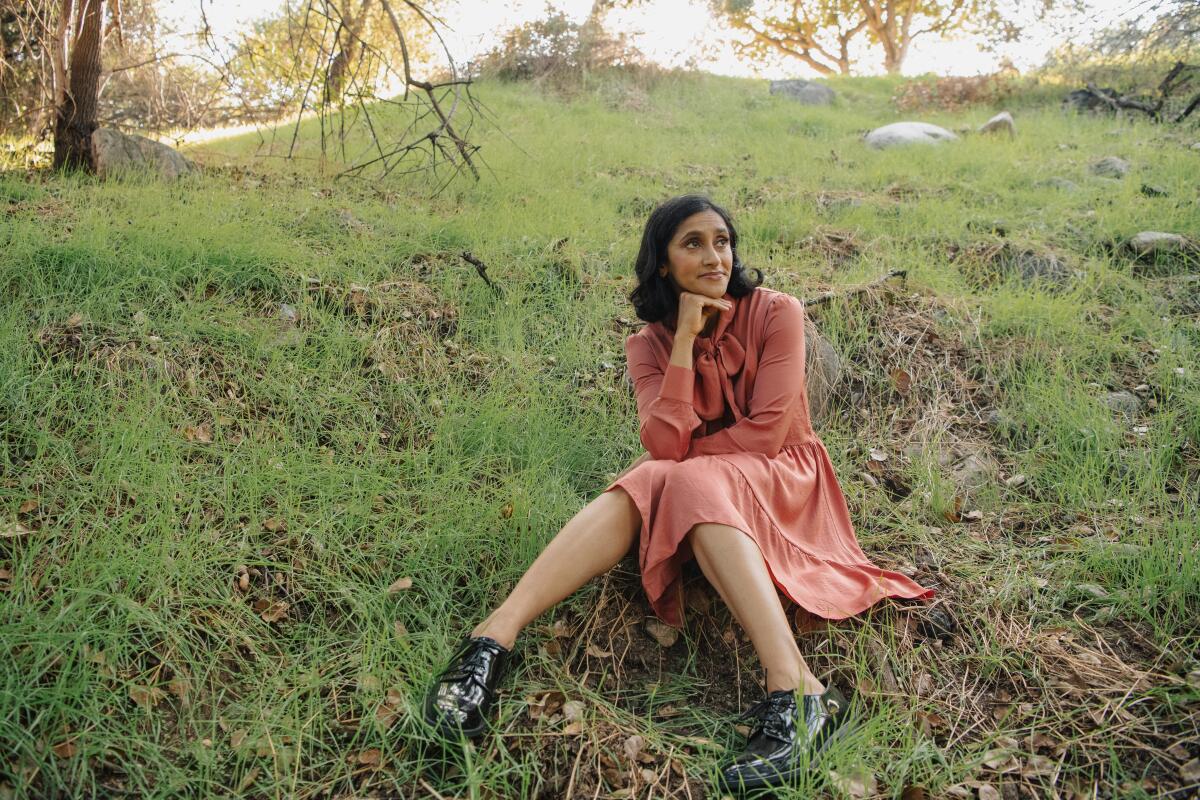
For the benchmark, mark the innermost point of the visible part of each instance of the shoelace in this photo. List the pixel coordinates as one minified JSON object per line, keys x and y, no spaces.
{"x":769,"y":714}
{"x":471,"y":667}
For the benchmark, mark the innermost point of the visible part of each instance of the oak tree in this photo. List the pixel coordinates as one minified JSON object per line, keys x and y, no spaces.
{"x":820,"y":33}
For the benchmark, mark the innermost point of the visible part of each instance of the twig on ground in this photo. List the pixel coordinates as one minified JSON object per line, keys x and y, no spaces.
{"x":828,"y":296}
{"x":481,"y":268}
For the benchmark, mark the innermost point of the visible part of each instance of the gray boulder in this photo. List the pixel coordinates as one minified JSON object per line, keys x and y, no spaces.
{"x":1152,"y":243}
{"x":807,"y":93}
{"x":1033,"y":267}
{"x":1125,"y":403}
{"x":119,"y":152}
{"x":974,"y":471}
{"x":905,"y":133}
{"x":822,"y":371}
{"x":1111,"y":167}
{"x":1061,"y":184}
{"x":1001,"y":123}
{"x":1083,"y":100}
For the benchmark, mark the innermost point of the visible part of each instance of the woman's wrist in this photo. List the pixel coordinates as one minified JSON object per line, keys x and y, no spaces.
{"x":681,"y":351}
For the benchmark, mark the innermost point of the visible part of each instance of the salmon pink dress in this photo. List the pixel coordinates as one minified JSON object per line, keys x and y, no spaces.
{"x":730,"y":441}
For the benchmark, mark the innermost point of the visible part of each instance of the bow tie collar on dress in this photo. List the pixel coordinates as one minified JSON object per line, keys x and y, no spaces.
{"x":716,"y":359}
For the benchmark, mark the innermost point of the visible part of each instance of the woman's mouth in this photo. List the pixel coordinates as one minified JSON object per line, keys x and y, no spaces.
{"x":716,"y":276}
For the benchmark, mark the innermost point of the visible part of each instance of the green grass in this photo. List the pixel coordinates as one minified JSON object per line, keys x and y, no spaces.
{"x":163,"y":430}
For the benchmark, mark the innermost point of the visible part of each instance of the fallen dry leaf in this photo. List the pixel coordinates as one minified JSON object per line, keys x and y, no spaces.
{"x":663,"y":633}
{"x":400,"y":630}
{"x":387,"y":713}
{"x":954,"y":513}
{"x":1001,"y":761}
{"x":274,"y":524}
{"x":65,"y":749}
{"x":594,"y":651}
{"x":546,"y":703}
{"x":237,"y":737}
{"x":27,"y":506}
{"x":146,"y":696}
{"x":276,"y":612}
{"x":1178,"y":751}
{"x":1095,"y":590}
{"x":370,"y":757}
{"x":573,"y":710}
{"x":1191,"y":771}
{"x":988,"y":792}
{"x":198,"y":433}
{"x":914,"y":793}
{"x":633,"y":746}
{"x":12,"y":530}
{"x":179,"y":687}
{"x":399,"y":585}
{"x":901,"y":380}
{"x":856,"y":785}
{"x":249,"y":780}
{"x":1039,"y":765}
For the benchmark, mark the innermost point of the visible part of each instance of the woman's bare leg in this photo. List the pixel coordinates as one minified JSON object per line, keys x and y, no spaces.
{"x":733,"y":563}
{"x":592,"y":542}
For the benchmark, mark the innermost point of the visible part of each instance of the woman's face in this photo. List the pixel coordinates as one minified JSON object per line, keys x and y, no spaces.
{"x":699,"y":256}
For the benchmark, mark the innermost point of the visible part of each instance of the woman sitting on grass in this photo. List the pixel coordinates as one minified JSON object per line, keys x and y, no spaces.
{"x":734,"y":475}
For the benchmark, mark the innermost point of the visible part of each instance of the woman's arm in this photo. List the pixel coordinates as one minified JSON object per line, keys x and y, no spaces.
{"x":778,"y":389}
{"x":664,"y":399}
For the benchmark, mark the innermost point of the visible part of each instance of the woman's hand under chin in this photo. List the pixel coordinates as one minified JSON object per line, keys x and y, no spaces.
{"x":695,"y":310}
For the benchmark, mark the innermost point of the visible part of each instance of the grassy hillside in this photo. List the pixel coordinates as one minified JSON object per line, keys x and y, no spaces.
{"x":236,"y":409}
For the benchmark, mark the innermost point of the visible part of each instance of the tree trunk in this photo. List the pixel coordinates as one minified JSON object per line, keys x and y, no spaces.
{"x":76,"y":113}
{"x":348,"y":54}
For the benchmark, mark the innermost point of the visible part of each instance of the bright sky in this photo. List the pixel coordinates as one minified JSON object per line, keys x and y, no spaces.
{"x":670,"y":31}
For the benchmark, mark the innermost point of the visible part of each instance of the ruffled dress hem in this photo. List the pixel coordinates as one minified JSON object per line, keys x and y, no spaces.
{"x":825,"y":587}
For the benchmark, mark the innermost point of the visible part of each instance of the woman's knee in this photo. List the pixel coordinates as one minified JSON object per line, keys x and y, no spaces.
{"x":617,"y":510}
{"x":689,"y":476}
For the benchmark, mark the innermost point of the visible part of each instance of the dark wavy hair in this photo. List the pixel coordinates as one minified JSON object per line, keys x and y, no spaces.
{"x":653,"y":298}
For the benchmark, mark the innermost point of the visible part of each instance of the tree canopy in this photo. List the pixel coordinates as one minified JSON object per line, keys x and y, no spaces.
{"x":821,"y":33}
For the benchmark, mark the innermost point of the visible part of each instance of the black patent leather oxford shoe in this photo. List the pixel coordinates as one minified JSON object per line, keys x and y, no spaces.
{"x":785,"y":730}
{"x":463,"y":695}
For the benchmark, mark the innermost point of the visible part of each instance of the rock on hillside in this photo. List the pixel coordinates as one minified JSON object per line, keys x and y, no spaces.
{"x":116,"y":152}
{"x":808,"y":93}
{"x":1001,"y":123}
{"x":822,"y":371}
{"x":1111,"y":167}
{"x":903,"y":133}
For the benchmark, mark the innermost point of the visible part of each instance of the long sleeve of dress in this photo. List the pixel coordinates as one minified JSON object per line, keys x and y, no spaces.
{"x":664,"y":401}
{"x":778,"y":389}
